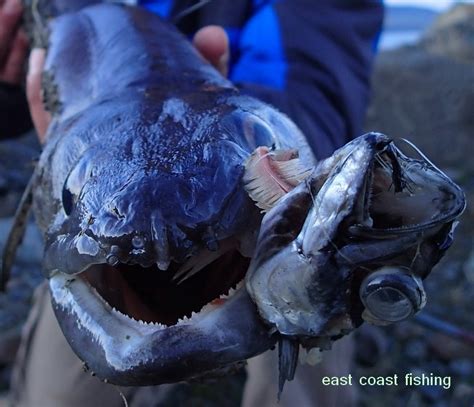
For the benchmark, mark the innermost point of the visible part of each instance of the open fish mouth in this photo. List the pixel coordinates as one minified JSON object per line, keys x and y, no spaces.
{"x":157,"y":296}
{"x":135,"y":325}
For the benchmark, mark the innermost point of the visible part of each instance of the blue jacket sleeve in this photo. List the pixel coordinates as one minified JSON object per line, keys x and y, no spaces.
{"x":313,"y":61}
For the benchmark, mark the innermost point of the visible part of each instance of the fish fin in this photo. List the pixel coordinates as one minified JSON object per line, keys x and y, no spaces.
{"x":288,"y":349}
{"x":16,"y":234}
{"x":269,"y":175}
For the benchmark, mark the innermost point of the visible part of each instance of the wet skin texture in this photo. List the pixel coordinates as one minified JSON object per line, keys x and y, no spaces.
{"x":141,"y":185}
{"x":142,"y":167}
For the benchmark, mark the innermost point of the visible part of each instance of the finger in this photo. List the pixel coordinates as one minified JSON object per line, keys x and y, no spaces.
{"x":13,"y":68}
{"x":213,"y":44}
{"x":40,"y":117}
{"x":10,"y":14}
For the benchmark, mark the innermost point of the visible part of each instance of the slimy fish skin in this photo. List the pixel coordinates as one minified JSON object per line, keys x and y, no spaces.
{"x":161,"y":266}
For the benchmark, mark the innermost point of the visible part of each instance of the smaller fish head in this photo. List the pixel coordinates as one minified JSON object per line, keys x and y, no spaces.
{"x":353,"y":242}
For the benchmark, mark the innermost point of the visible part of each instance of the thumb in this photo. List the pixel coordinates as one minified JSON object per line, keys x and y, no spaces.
{"x":39,"y":115}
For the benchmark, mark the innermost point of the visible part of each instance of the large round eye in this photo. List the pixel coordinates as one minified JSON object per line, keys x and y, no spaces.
{"x":391,"y":294}
{"x":75,"y":181}
{"x":67,"y":200}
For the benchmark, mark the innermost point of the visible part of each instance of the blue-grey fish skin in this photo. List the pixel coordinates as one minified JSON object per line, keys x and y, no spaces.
{"x":147,"y":145}
{"x":153,"y":121}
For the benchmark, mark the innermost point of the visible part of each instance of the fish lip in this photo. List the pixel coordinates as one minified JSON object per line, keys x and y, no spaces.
{"x":126,"y":352}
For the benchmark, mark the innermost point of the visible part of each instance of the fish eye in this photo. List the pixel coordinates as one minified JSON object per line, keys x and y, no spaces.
{"x":392,"y":294}
{"x":67,"y":200}
{"x":80,"y":174}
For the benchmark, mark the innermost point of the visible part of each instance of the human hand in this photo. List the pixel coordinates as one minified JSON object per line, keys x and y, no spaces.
{"x":13,"y":42}
{"x":213,"y":44}
{"x":40,"y":117}
{"x":211,"y":41}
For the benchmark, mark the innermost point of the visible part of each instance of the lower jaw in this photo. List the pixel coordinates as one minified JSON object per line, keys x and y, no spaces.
{"x":124,"y":351}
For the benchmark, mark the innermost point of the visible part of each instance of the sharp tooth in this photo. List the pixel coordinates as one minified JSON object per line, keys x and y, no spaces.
{"x":196,"y":263}
{"x":163,"y":264}
{"x":231,"y":291}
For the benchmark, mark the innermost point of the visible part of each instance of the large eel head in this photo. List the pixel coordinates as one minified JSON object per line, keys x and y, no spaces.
{"x":353,"y":242}
{"x":153,"y":235}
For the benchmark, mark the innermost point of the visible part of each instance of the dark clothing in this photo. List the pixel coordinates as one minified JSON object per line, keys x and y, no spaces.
{"x":14,"y":115}
{"x":312,"y":59}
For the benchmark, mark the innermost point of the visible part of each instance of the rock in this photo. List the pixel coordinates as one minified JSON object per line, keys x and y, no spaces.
{"x":424,"y":92}
{"x":371,"y":344}
{"x":447,"y":349}
{"x":408,"y":329}
{"x":462,"y":367}
{"x":452,"y":34}
{"x":416,"y":350}
{"x":25,"y":277}
{"x":16,"y":165}
{"x":463,"y":395}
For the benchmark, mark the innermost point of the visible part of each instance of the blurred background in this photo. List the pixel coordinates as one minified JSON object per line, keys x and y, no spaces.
{"x":423,"y":90}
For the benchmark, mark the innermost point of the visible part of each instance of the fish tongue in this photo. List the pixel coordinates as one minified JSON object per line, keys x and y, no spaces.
{"x":288,"y":350}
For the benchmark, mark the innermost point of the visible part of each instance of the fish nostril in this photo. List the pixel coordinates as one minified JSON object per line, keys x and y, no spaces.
{"x":67,"y":200}
{"x":113,"y":256}
{"x":112,"y":260}
{"x":138,"y":242}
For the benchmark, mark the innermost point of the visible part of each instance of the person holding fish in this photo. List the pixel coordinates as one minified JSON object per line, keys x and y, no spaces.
{"x":310,"y":60}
